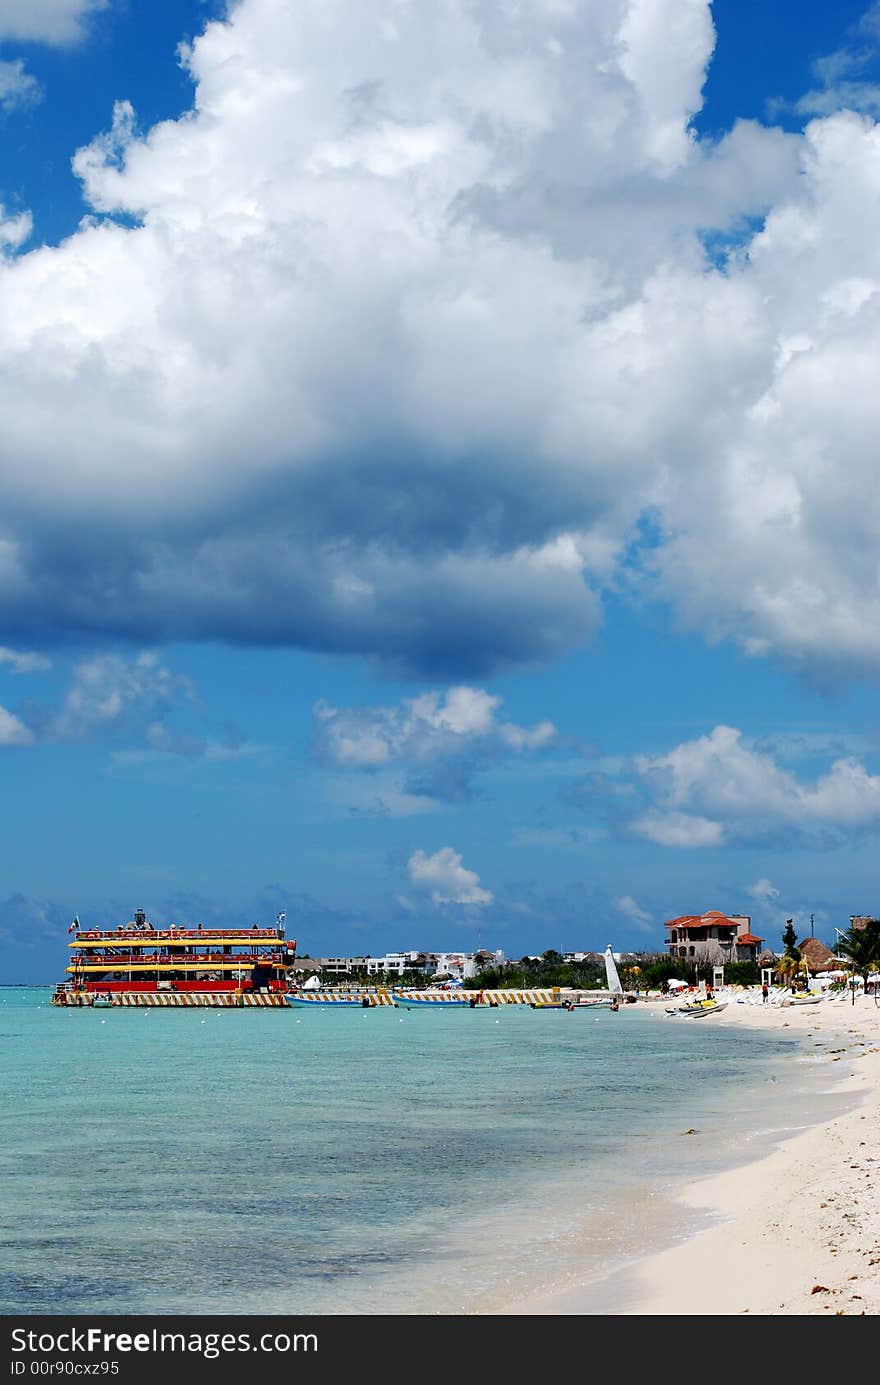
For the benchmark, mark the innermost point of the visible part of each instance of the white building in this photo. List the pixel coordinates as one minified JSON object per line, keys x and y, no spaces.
{"x":396,"y":963}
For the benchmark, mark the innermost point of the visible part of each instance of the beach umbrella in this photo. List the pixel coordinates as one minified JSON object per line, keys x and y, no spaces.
{"x":674,"y":982}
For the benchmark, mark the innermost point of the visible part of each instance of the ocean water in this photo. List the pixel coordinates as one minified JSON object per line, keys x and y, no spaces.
{"x":348,"y":1161}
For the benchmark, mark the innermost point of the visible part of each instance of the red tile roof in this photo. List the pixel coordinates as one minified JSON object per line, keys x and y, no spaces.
{"x":711,"y":919}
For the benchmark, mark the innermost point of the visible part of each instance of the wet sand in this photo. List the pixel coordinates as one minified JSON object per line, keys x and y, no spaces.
{"x":796,"y":1232}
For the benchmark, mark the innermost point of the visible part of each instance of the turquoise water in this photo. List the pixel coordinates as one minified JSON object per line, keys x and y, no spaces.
{"x":350,"y":1161}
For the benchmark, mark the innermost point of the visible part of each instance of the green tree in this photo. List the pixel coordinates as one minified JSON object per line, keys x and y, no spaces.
{"x":862,"y":947}
{"x":789,"y":941}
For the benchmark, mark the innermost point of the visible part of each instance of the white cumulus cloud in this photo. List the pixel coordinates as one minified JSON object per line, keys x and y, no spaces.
{"x":763,"y":890}
{"x":446,"y":880}
{"x":678,"y":829}
{"x":431,"y":726}
{"x":719,"y":786}
{"x":108,"y":687}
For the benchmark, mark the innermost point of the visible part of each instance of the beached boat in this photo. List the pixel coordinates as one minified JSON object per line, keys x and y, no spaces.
{"x":804,"y":997}
{"x":139,"y":965}
{"x":703,"y":1006}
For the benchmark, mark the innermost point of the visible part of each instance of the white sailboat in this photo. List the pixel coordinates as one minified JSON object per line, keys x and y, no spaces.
{"x":615,"y":988}
{"x":612,"y":976}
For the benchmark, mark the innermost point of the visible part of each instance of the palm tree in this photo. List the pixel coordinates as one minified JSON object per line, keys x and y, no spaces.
{"x":862,"y":947}
{"x":787,"y":968}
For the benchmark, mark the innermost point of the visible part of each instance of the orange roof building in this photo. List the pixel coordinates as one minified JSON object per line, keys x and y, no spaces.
{"x":713,"y":937}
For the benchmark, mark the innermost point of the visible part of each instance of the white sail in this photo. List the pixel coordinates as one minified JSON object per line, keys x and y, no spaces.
{"x":614,"y":983}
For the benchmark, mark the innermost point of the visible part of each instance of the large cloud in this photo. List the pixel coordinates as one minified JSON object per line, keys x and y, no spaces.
{"x":446,"y":880}
{"x":417,"y":327}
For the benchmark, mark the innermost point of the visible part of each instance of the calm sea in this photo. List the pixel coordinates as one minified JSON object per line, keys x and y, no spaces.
{"x":349,"y":1161}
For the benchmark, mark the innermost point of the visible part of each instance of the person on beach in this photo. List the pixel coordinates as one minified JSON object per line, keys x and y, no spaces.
{"x":764,"y":992}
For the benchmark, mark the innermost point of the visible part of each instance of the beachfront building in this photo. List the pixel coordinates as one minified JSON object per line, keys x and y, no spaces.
{"x":713,"y":937}
{"x":395,"y":963}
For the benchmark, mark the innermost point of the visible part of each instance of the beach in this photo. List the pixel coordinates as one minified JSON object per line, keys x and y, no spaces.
{"x":798,"y":1231}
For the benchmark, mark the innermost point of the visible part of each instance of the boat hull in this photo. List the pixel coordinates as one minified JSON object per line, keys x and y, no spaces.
{"x":177,"y":1000}
{"x":697,"y":1011}
{"x":371,"y":998}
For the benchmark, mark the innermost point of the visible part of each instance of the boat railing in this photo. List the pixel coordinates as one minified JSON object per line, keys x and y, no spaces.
{"x":115,"y":961}
{"x":195,"y":935}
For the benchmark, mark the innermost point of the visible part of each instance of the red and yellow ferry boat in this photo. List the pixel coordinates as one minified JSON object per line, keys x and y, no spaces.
{"x":138,"y":964}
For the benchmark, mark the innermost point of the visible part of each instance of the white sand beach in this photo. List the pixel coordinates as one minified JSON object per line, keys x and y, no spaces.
{"x":798,"y":1230}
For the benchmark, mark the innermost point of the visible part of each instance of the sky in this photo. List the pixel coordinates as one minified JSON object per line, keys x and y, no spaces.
{"x":438,"y":485}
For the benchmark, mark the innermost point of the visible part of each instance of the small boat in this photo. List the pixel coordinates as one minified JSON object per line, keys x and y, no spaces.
{"x":615,"y":985}
{"x":700,"y":1007}
{"x":363,"y":1000}
{"x":804,"y":997}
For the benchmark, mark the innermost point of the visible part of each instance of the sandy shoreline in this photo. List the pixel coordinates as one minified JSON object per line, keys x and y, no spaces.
{"x":798,"y":1231}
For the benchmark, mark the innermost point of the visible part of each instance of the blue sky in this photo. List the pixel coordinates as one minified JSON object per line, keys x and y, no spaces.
{"x":437,"y":465}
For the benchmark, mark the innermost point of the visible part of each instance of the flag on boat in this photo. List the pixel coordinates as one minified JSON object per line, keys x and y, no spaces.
{"x":74,"y":927}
